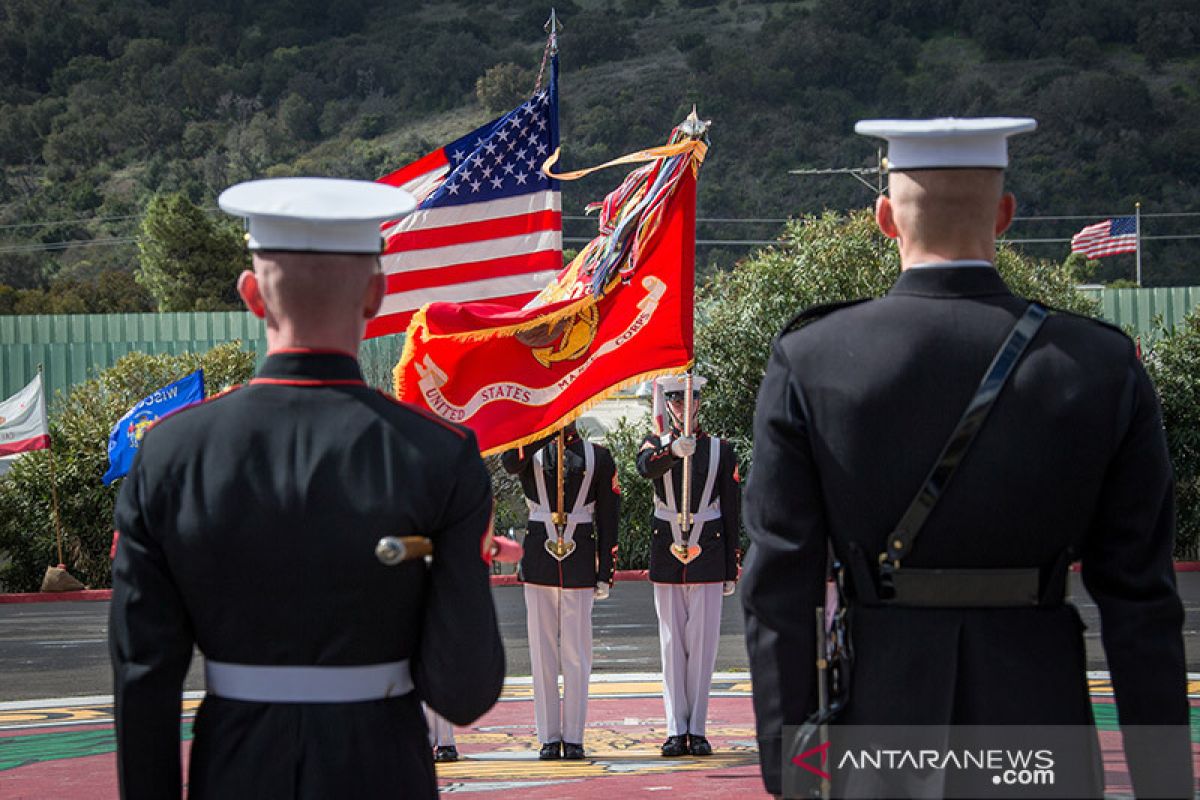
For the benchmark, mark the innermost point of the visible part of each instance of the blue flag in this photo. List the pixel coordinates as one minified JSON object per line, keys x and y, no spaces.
{"x":126,"y":435}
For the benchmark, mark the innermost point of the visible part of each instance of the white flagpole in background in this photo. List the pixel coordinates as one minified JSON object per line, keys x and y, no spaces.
{"x":1138,"y":230}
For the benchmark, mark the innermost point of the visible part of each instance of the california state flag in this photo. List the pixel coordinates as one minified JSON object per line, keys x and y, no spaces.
{"x":619,"y":314}
{"x":23,"y":425}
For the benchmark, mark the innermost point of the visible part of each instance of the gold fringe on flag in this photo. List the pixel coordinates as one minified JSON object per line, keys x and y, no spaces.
{"x":585,"y":407}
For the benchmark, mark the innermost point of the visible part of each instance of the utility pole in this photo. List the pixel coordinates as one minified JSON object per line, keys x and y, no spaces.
{"x":857,"y":173}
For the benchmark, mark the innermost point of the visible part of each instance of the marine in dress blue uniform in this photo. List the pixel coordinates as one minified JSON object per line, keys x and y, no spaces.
{"x":688,"y":589}
{"x":855,"y":407}
{"x":248,"y":529}
{"x":562,"y":577}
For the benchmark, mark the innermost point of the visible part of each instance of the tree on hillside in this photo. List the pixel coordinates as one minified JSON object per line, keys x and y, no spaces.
{"x":189,"y":260}
{"x":825,"y":259}
{"x":502,"y":87}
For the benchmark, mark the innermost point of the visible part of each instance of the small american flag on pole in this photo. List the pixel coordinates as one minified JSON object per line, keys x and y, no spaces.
{"x":1116,"y":235}
{"x":488,"y":224}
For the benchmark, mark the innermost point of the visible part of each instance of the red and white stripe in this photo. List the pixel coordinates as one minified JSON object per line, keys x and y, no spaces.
{"x":502,"y":251}
{"x":23,"y":424}
{"x":1096,"y":241}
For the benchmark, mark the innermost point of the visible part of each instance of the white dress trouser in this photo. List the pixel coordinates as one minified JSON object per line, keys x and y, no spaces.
{"x":689,"y":629}
{"x":560,"y":643}
{"x":441,"y":732}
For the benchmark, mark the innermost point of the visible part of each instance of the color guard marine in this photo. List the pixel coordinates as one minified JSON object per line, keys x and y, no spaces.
{"x":569,"y":551}
{"x":953,"y":551}
{"x":693,"y":561}
{"x":280,"y":529}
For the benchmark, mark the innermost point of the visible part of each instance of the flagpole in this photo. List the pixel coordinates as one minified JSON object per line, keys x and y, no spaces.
{"x":1138,"y":231}
{"x":685,"y":492}
{"x":552,"y":27}
{"x":62,"y":564}
{"x":560,"y":516}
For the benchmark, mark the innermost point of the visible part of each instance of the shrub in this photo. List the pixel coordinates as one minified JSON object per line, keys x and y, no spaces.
{"x":637,"y":496}
{"x":818,"y":259}
{"x":1174,"y":365}
{"x":79,"y":428}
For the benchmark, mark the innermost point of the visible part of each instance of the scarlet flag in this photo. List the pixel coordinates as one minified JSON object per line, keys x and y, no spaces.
{"x":619,"y":314}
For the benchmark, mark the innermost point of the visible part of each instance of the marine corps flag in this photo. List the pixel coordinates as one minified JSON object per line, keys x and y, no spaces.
{"x":618,"y":314}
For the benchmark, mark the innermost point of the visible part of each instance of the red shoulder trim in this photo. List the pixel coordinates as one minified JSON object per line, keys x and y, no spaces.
{"x":196,"y":404}
{"x":304,"y":382}
{"x":223,"y":392}
{"x":429,"y":415}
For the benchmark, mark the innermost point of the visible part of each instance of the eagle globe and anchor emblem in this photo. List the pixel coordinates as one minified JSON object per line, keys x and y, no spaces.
{"x":566,"y":339}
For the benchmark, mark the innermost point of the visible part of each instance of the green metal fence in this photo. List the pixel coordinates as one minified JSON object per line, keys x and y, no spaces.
{"x":74,"y":348}
{"x":1137,"y":309}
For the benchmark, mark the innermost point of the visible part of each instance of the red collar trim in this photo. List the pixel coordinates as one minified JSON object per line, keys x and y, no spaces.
{"x":310,"y":351}
{"x":305,"y":382}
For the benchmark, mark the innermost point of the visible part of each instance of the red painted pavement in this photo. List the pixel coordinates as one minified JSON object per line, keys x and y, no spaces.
{"x":500,"y":758}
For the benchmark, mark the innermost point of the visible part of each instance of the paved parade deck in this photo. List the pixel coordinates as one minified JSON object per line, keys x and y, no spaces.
{"x":64,"y":748}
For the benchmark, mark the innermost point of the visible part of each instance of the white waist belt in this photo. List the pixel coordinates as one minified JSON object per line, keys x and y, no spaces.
{"x":546,"y":516}
{"x":286,"y":684}
{"x":698,"y":518}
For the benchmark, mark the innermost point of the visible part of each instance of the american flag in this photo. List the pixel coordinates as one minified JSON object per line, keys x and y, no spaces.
{"x":1117,"y":235}
{"x":488,"y":224}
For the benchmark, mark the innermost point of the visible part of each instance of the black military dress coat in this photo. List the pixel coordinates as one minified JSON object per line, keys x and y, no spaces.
{"x":593,"y":559}
{"x":718,"y":539}
{"x":853,"y":412}
{"x":248,"y":526}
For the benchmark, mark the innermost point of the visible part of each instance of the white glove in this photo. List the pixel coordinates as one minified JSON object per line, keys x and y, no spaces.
{"x":729,"y":588}
{"x":602,"y":590}
{"x":684,"y":446}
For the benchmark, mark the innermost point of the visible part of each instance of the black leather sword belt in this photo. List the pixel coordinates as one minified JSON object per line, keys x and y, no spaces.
{"x":965,"y":588}
{"x":923,"y":587}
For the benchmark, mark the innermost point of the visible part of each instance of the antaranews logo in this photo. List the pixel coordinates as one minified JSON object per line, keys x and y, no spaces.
{"x":907,"y":761}
{"x":1007,"y":767}
{"x":822,"y":753}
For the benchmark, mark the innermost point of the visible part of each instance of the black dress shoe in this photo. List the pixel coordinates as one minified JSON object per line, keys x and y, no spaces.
{"x":699,"y":745}
{"x":675,"y":746}
{"x":551,"y":751}
{"x":445,"y":753}
{"x":572,"y":752}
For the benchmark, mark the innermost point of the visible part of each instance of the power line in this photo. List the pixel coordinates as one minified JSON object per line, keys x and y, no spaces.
{"x":585,"y":218}
{"x":1068,"y":239}
{"x":705,"y":242}
{"x":53,"y":223}
{"x":43,"y":247}
{"x":1048,"y":218}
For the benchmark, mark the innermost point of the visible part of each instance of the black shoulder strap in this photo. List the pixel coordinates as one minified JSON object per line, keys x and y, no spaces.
{"x":813,"y":313}
{"x":901,"y":541}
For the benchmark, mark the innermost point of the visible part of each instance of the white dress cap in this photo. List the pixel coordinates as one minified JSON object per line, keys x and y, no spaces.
{"x":317,"y":215}
{"x":946,"y":143}
{"x":677,"y":383}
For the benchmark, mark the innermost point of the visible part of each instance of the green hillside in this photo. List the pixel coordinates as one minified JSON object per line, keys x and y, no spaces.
{"x":105,"y":103}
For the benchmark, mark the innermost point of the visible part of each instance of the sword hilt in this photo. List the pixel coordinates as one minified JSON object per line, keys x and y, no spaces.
{"x":393,"y":550}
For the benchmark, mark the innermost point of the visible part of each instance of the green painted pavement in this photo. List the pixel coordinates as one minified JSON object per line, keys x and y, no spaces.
{"x":22,"y":751}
